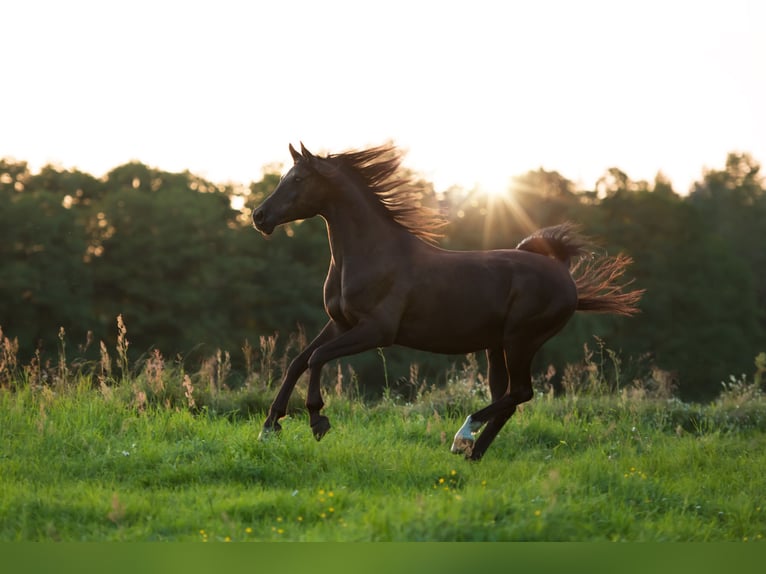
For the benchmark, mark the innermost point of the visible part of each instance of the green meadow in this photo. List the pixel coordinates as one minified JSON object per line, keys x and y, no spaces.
{"x":159,"y":455}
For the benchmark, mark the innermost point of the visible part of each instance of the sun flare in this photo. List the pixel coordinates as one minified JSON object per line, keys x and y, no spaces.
{"x":495,"y":189}
{"x":503,"y":210}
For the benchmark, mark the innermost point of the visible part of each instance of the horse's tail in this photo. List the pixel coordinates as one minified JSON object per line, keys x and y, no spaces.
{"x":598,"y":287}
{"x":596,"y":276}
{"x":562,"y":242}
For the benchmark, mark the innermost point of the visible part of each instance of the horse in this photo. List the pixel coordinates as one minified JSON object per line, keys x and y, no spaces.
{"x":389,"y":283}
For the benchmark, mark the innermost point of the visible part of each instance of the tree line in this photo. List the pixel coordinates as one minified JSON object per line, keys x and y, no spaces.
{"x":170,"y":254}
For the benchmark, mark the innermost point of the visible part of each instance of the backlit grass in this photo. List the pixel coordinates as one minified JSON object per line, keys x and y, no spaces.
{"x":79,"y":462}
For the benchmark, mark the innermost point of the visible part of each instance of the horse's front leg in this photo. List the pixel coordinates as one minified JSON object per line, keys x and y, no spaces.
{"x":297,"y":367}
{"x":320,"y":424}
{"x":361,"y":337}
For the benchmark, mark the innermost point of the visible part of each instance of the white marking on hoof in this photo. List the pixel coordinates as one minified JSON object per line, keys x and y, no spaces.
{"x":463,"y":441}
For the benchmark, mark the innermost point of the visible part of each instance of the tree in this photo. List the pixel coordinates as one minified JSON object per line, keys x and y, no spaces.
{"x":159,"y":259}
{"x":699,"y":311}
{"x":44,"y":282}
{"x":732,"y":203}
{"x":189,"y":273}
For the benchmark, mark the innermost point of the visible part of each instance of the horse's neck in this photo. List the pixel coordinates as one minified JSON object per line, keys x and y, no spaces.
{"x":361,"y":229}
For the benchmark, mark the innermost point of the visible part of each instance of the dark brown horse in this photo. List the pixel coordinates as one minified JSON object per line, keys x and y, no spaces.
{"x":389,"y":284}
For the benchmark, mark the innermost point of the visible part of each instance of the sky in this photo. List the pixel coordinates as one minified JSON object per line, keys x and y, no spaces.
{"x":475,"y":92}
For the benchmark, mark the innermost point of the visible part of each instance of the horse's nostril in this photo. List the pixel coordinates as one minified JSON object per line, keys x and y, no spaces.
{"x":258,"y":217}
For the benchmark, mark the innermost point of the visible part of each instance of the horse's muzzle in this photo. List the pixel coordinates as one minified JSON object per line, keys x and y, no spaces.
{"x":261,"y":222}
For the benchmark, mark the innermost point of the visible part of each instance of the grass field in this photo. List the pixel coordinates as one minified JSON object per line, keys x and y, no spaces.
{"x":81,"y":461}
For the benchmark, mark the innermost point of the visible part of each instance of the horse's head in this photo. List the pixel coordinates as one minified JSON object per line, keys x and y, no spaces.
{"x":301,"y":193}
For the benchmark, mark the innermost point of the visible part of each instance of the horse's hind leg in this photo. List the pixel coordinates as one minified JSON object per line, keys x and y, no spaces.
{"x":489,"y":433}
{"x":518,"y":363}
{"x":498,"y":388}
{"x":499,"y":382}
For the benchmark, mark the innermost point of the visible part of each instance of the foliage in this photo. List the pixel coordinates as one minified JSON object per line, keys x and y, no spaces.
{"x":189,"y":274}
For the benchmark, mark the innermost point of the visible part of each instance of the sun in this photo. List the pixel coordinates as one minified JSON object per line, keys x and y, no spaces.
{"x":503,"y":210}
{"x":495,"y":189}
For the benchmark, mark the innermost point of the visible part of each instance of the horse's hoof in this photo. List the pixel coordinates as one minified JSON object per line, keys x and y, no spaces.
{"x":320,"y":427}
{"x":462,"y":445}
{"x":269,"y":431}
{"x":464,"y":440}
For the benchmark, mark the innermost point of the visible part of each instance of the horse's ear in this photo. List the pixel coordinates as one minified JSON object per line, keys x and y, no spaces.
{"x":306,"y":153}
{"x":318,"y":163}
{"x":296,"y":156}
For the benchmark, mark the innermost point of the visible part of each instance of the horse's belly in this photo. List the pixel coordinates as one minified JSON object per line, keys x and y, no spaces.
{"x":451,"y":331}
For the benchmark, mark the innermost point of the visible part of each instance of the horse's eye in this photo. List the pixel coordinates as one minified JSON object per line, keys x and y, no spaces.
{"x":298,"y":179}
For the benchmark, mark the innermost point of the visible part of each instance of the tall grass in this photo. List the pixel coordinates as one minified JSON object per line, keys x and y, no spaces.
{"x":151,"y":451}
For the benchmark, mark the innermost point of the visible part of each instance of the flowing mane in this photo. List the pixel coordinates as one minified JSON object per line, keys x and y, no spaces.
{"x":379,"y":170}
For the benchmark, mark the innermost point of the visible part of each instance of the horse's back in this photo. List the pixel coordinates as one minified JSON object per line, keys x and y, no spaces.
{"x":498,"y":275}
